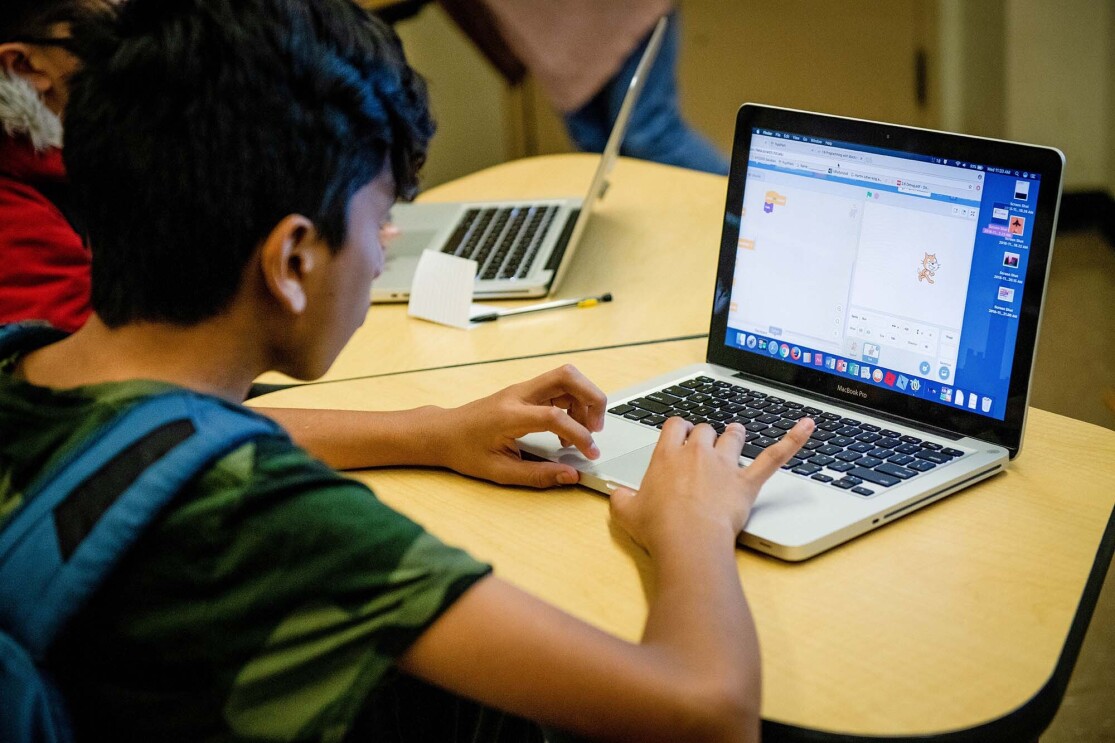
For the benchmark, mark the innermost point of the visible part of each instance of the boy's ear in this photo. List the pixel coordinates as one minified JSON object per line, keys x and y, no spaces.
{"x":288,"y":257}
{"x":16,"y":58}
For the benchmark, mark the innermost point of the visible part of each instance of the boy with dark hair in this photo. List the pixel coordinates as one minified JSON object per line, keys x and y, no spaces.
{"x":237,"y":159}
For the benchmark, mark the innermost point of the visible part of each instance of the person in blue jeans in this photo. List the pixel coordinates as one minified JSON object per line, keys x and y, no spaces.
{"x":657,"y":131}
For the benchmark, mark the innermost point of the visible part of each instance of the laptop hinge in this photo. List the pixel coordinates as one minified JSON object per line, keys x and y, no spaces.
{"x":563,"y":240}
{"x":951,"y":435}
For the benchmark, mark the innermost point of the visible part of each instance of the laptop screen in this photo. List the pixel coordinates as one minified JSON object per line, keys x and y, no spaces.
{"x":901,"y":270}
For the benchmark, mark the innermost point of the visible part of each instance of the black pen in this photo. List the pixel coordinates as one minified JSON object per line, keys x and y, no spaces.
{"x":555,"y":305}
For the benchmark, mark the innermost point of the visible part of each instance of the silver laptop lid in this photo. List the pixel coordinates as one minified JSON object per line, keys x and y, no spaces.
{"x":599,"y":184}
{"x":895,"y":268}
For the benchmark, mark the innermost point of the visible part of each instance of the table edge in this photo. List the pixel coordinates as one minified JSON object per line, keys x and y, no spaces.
{"x":1024,"y":723}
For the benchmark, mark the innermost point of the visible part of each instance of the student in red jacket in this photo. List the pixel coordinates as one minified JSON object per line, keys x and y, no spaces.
{"x":44,"y":266}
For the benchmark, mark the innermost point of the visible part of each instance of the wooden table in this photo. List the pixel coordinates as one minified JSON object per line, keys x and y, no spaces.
{"x":653,"y":239}
{"x":960,"y":622}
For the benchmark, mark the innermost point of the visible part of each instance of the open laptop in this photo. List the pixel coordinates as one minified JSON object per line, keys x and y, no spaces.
{"x":885,"y":280}
{"x":522,"y":248}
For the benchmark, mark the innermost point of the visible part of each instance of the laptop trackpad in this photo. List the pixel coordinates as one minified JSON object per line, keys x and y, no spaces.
{"x":618,"y":439}
{"x":410,"y":242}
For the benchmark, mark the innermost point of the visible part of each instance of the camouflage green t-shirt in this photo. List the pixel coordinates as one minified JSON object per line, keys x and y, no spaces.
{"x":266,"y":603}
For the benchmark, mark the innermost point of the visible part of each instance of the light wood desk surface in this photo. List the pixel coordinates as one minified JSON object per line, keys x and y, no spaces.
{"x":652,"y":243}
{"x":952,"y":619}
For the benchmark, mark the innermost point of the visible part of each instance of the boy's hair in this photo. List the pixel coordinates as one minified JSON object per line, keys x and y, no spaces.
{"x":33,"y":18}
{"x":197,"y":125}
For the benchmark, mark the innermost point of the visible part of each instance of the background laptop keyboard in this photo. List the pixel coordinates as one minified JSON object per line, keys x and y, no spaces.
{"x":502,"y":240}
{"x":848,"y":454}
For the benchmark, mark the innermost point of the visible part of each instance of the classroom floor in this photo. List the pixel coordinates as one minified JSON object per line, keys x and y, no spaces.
{"x":1075,"y":370}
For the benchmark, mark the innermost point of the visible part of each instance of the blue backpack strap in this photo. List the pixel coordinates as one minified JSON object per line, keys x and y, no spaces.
{"x":28,"y":335}
{"x":79,"y":518}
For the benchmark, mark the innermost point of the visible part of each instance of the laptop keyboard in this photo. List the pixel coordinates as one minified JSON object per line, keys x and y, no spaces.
{"x":846,"y":453}
{"x":502,"y":240}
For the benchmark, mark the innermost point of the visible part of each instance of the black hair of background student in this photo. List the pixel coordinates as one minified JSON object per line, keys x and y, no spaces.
{"x":185,"y":152}
{"x":33,"y":19}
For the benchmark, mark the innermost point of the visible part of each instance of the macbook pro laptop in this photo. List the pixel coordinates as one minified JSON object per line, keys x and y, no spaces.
{"x":522,"y":248}
{"x":886,"y":281}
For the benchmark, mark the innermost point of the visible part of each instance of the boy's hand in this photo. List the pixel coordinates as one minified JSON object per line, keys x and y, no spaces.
{"x":695,"y":489}
{"x":479,"y":438}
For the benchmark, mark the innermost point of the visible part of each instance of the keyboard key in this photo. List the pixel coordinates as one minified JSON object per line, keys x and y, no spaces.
{"x":910,"y":440}
{"x":860,"y":490}
{"x":622,"y":409}
{"x":844,"y":484}
{"x":822,"y":460}
{"x":756,"y":426}
{"x":685,"y":405}
{"x":841,"y":466}
{"x":678,"y":391}
{"x":922,"y":465}
{"x":890,"y":468}
{"x":819,"y":435}
{"x":785,"y":424}
{"x":793,"y":462}
{"x":879,"y":478}
{"x":860,"y":447}
{"x":868,"y":437}
{"x":879,"y":453}
{"x":900,"y":459}
{"x":828,"y":450}
{"x":887,"y":443}
{"x":849,"y":421}
{"x":769,"y":418}
{"x":647,"y":404}
{"x":931,"y":445}
{"x":890,"y":434}
{"x":777,"y":409}
{"x":869,"y":461}
{"x":933,"y":456}
{"x":850,"y":431}
{"x":908,"y":448}
{"x":822,"y":478}
{"x":636,"y":414}
{"x":764,"y":441}
{"x":870,"y":427}
{"x":806,"y":469}
{"x":752,"y":451}
{"x":654,"y":420}
{"x":841,"y":441}
{"x":664,"y":398}
{"x":810,"y":445}
{"x":952,"y":452}
{"x":848,"y":456}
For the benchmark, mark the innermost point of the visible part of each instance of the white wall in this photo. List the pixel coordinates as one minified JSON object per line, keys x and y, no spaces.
{"x":466,"y":94}
{"x":1058,"y":74}
{"x":1111,"y":104}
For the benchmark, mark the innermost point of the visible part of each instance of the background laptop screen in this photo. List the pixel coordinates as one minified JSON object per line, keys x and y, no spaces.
{"x":903,"y":271}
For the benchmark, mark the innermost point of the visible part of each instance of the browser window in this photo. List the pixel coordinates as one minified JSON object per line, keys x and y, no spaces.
{"x":901,"y":270}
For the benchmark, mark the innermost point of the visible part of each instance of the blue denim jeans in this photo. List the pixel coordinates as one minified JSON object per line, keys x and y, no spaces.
{"x":657,"y":130}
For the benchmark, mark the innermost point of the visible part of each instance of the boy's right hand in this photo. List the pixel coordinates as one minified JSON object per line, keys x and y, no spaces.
{"x":694,"y":487}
